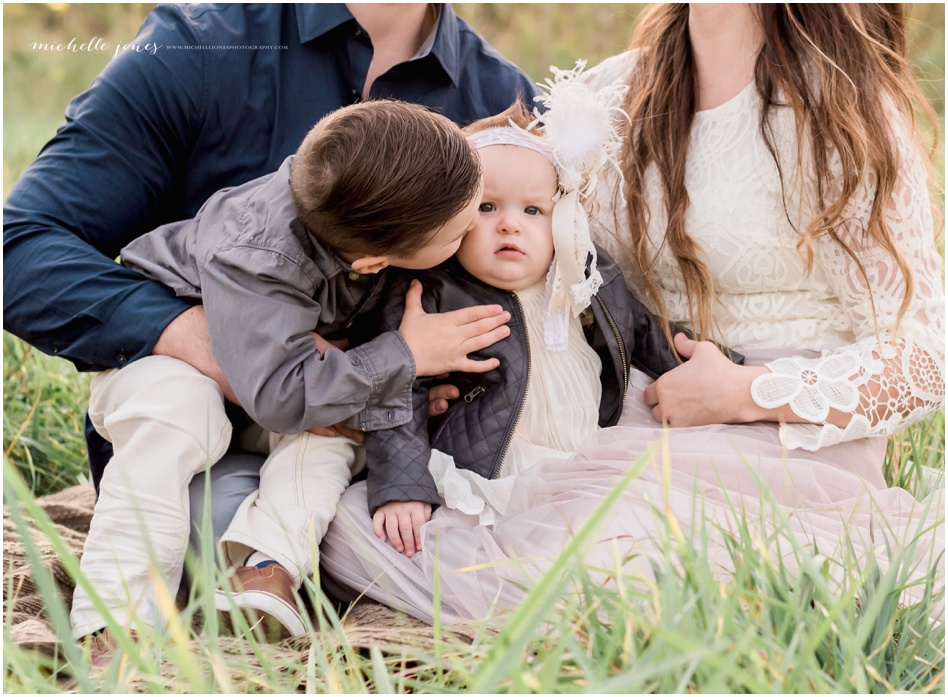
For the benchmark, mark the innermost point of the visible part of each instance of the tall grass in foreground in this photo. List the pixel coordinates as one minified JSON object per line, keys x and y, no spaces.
{"x":801,"y":620}
{"x":774,"y":627}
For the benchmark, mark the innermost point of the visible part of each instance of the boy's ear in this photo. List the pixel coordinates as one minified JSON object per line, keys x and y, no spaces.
{"x":368,"y":265}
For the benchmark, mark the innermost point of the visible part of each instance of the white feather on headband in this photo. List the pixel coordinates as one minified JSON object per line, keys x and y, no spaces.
{"x":579,"y":127}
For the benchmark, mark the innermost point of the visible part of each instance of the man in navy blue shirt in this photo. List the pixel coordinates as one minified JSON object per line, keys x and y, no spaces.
{"x":228,"y":93}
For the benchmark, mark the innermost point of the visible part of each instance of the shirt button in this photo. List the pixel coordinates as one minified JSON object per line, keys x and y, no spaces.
{"x":122,"y":359}
{"x":353,"y":276}
{"x":388,"y":414}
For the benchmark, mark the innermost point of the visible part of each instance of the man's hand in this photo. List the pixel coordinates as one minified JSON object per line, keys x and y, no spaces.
{"x":322,"y":345}
{"x":402,"y":520}
{"x":187,"y":339}
{"x":339,"y":429}
{"x":441,"y":342}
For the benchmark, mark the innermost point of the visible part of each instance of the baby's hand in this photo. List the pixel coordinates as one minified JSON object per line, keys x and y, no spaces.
{"x":402,"y":520}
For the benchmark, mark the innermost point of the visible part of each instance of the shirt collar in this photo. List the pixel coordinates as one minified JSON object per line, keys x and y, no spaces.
{"x":314,"y":20}
{"x":428,"y":44}
{"x":447,"y":42}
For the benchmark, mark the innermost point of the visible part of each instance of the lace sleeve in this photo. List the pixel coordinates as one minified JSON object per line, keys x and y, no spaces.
{"x":885,"y":380}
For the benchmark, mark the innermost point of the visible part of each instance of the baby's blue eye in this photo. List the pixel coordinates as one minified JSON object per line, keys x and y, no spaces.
{"x":486,"y":207}
{"x":531,"y":210}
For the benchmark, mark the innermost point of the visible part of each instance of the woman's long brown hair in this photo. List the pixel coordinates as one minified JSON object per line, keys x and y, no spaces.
{"x":840,"y":67}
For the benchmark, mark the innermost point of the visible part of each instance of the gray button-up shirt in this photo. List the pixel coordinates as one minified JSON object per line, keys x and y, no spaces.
{"x":266,"y":284}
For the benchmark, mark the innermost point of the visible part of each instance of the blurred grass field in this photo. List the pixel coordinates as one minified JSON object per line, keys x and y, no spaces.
{"x":770,"y":630}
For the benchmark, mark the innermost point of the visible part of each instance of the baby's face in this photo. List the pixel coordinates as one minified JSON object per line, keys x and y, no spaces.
{"x":511,"y":243}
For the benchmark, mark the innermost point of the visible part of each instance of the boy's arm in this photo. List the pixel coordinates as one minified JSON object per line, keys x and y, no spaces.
{"x":261,"y":309}
{"x":260,"y":312}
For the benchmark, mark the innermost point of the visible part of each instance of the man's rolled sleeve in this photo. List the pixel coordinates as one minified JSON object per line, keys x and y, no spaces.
{"x":146,"y":305}
{"x":77,"y":304}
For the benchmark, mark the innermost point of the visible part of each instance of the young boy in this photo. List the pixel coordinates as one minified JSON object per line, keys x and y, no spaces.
{"x":373,"y":185}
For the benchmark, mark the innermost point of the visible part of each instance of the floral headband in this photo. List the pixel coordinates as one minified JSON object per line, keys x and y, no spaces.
{"x":578,"y":138}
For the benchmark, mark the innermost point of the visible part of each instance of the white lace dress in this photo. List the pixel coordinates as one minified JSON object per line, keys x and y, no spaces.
{"x":826,"y":346}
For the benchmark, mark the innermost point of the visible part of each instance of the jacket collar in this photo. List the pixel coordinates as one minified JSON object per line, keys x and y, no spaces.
{"x":315,"y":20}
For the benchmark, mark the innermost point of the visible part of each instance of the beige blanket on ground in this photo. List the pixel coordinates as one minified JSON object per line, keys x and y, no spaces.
{"x":366,"y":624}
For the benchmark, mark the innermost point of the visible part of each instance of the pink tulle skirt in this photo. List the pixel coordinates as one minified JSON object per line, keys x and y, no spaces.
{"x":701,"y":484}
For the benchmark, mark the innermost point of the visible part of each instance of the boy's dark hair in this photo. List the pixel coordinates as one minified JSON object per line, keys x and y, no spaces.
{"x":516,"y":114}
{"x":382,"y":177}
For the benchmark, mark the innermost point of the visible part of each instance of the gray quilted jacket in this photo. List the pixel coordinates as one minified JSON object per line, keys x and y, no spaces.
{"x":477,"y":429}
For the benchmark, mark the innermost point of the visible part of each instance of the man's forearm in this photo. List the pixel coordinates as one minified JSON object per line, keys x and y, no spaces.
{"x":69,"y":300}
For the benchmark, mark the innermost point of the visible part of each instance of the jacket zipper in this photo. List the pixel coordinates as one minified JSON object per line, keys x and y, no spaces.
{"x":625,"y":363}
{"x":523,"y":394}
{"x":472,"y":395}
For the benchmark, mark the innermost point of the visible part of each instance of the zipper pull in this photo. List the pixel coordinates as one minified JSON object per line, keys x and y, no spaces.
{"x":470,"y":396}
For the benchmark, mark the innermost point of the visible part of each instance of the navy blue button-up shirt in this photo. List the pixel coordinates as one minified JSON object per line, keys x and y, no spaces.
{"x":158,"y":132}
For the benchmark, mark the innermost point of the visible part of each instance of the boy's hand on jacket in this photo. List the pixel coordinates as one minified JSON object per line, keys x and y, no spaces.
{"x":441,"y":342}
{"x":402,"y":521}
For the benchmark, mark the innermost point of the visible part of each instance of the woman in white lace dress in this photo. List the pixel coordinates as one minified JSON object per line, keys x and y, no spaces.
{"x":775,"y":198}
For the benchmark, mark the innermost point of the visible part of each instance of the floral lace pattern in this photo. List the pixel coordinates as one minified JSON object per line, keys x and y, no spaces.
{"x":765,"y":299}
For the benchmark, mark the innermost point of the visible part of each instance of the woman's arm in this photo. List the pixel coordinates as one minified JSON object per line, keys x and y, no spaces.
{"x":893,"y":373}
{"x":881,"y":382}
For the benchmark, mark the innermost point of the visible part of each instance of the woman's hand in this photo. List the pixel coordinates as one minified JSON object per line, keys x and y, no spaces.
{"x":706,"y":389}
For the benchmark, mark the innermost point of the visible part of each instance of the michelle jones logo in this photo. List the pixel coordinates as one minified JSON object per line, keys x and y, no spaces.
{"x":97,"y":44}
{"x":94,"y":44}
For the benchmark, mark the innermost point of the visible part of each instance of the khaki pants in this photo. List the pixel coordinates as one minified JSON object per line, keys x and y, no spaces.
{"x":166,"y":423}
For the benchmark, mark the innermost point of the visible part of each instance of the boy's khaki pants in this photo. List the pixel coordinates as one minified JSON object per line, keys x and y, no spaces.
{"x":166,"y":423}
